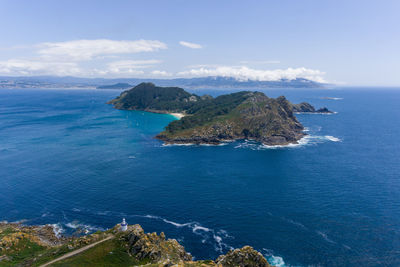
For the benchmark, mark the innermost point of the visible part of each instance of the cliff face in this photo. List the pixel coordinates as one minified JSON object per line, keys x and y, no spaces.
{"x":37,"y":245}
{"x":153,"y":247}
{"x":243,"y":257}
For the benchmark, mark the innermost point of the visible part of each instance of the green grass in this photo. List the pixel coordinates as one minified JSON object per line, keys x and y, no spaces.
{"x":51,"y":254}
{"x":109,"y":253}
{"x":24,"y":250}
{"x":6,"y":231}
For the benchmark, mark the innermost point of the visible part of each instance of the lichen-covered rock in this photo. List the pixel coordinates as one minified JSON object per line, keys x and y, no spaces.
{"x":243,"y":257}
{"x":153,"y":247}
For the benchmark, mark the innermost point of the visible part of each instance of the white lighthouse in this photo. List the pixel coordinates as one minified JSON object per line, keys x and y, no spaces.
{"x":124,"y":225}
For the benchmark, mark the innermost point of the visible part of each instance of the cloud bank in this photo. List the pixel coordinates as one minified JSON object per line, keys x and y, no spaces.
{"x":190,"y":45}
{"x":245,"y":73}
{"x":88,"y":49}
{"x":31,"y":67}
{"x":113,"y":59}
{"x":84,"y":58}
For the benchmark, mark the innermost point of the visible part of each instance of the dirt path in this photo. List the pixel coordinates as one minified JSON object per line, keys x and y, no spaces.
{"x":73,"y":253}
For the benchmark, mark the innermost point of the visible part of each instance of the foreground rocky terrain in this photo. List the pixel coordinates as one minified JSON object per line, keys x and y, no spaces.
{"x":37,"y":245}
{"x":208,"y":120}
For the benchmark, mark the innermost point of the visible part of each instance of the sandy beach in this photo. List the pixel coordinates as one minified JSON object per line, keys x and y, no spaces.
{"x":178,"y":115}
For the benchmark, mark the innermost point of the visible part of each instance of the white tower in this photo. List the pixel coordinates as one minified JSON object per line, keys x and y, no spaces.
{"x":124,"y":225}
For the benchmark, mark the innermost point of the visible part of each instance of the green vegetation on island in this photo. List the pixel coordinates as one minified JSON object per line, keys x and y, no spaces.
{"x":208,"y":120}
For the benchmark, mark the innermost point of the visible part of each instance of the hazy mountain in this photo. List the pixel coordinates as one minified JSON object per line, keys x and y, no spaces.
{"x":193,"y":83}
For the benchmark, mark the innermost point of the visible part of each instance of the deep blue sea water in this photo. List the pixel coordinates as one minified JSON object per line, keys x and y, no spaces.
{"x":68,"y":159}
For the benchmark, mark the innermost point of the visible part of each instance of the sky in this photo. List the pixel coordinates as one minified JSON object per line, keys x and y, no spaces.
{"x":342,"y":42}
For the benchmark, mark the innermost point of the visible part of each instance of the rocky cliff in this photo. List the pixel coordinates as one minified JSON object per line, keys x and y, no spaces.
{"x":36,"y":245}
{"x":305,"y":107}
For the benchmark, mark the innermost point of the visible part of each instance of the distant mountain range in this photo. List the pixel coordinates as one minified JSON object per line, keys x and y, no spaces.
{"x":124,"y":83}
{"x":116,"y":86}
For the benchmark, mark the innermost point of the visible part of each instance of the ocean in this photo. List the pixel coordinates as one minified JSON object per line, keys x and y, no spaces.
{"x":69,"y":159}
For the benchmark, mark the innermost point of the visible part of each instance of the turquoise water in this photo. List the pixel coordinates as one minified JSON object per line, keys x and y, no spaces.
{"x":70,"y":160}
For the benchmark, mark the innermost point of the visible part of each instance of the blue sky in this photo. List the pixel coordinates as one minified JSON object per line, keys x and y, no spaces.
{"x":345,"y":42}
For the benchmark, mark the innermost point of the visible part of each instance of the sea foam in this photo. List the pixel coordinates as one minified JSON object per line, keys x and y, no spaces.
{"x":206,"y":233}
{"x":272,"y":259}
{"x":57,"y":229}
{"x":306,"y":140}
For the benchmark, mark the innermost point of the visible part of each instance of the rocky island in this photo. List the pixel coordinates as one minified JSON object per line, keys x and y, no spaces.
{"x":305,"y":107}
{"x":242,"y":115}
{"x":38,"y":246}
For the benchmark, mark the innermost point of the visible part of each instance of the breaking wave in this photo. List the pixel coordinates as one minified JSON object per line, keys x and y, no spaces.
{"x":272,"y":259}
{"x":306,"y":140}
{"x":332,"y":138}
{"x":206,"y":233}
{"x":332,"y":98}
{"x":86,"y":228}
{"x":57,"y":229}
{"x":224,"y":143}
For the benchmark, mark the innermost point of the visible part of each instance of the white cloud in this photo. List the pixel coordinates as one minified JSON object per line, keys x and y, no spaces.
{"x":259,"y":62}
{"x":190,"y":45}
{"x":124,"y":68}
{"x":88,"y":49}
{"x":244,"y":73}
{"x":127,"y":68}
{"x":32,"y":67}
{"x":161,"y":73}
{"x":133,"y":64}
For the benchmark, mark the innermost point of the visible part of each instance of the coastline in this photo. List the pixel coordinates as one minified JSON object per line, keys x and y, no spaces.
{"x":39,"y":245}
{"x":177,"y":115}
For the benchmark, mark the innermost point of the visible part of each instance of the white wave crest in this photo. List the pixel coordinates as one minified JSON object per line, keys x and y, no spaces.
{"x":272,"y":259}
{"x":347,"y":247}
{"x":188,"y":144}
{"x":306,"y":140}
{"x":294,"y":222}
{"x":224,"y":143}
{"x":276,"y":261}
{"x":325,"y":237}
{"x":332,"y":138}
{"x":85,"y":227}
{"x":206,"y":233}
{"x":332,"y":98}
{"x":200,"y":228}
{"x":57,"y":229}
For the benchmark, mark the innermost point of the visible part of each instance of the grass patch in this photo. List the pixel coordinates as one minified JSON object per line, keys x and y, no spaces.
{"x":108,"y":253}
{"x":6,"y":231}
{"x":22,"y":252}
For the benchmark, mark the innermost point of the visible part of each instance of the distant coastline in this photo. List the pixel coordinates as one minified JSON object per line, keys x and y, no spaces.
{"x":209,"y":82}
